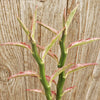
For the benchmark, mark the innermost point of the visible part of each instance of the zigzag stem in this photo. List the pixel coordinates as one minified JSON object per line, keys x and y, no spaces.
{"x":61,"y":79}
{"x":42,"y":72}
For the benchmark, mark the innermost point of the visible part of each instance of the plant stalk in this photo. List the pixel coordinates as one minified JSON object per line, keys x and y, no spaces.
{"x":63,"y":56}
{"x":42,"y":72}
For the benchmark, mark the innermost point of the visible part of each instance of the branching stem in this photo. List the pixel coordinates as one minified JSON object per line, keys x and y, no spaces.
{"x":42,"y":72}
{"x":61,"y":79}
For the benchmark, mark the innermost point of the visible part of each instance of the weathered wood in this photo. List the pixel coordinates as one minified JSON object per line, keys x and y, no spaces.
{"x":14,"y":59}
{"x":94,"y":89}
{"x":89,"y":27}
{"x":27,"y":11}
{"x":11,"y":58}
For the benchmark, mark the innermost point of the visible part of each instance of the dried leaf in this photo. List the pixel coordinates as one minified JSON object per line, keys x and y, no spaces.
{"x":26,"y":73}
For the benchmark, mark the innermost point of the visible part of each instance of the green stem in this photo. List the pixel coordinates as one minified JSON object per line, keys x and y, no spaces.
{"x":61,"y":79}
{"x":42,"y":72}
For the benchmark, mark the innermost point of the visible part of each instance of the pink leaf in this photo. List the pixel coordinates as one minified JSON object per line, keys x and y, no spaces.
{"x":49,"y":46}
{"x":49,"y":53}
{"x":68,"y":89}
{"x":48,"y":78}
{"x":78,"y":67}
{"x":82,"y":42}
{"x":48,"y":27}
{"x":21,"y":44}
{"x":26,"y":73}
{"x":40,"y":91}
{"x":36,"y":90}
{"x":58,"y":71}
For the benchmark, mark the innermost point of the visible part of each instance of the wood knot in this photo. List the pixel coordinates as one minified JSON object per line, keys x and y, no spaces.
{"x":4,"y":73}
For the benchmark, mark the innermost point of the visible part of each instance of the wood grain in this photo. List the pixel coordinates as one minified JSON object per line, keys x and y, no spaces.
{"x":11,"y":58}
{"x":86,"y":24}
{"x":88,"y":28}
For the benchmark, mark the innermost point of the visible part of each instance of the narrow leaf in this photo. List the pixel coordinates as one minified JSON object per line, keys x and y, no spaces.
{"x":49,"y":52}
{"x":82,"y":42}
{"x":51,"y":44}
{"x":56,"y":73}
{"x":48,"y":27}
{"x":24,"y":27}
{"x":34,"y":24}
{"x":48,"y":78}
{"x":78,"y":67}
{"x":21,"y":44}
{"x":67,"y":90}
{"x":36,"y":90}
{"x":69,"y":20}
{"x":26,"y":73}
{"x":40,"y":91}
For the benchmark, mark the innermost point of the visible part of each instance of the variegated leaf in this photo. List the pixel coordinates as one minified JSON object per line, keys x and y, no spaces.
{"x":48,"y":27}
{"x":21,"y":44}
{"x":26,"y":73}
{"x":24,"y":27}
{"x":69,"y":20}
{"x":78,"y":67}
{"x":49,"y":52}
{"x":51,"y":44}
{"x":40,"y":91}
{"x":48,"y":78}
{"x":36,"y":90}
{"x":82,"y":42}
{"x":56,"y":73}
{"x":67,"y":90}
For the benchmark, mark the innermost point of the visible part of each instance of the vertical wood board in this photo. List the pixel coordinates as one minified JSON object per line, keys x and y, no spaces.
{"x":85,"y":24}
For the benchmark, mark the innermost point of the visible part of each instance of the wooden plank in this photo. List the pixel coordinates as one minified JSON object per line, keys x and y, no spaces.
{"x":52,"y":16}
{"x":88,"y":28}
{"x":11,"y":58}
{"x":48,"y":14}
{"x":73,"y":35}
{"x":94,"y":89}
{"x":27,"y":11}
{"x":85,"y":24}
